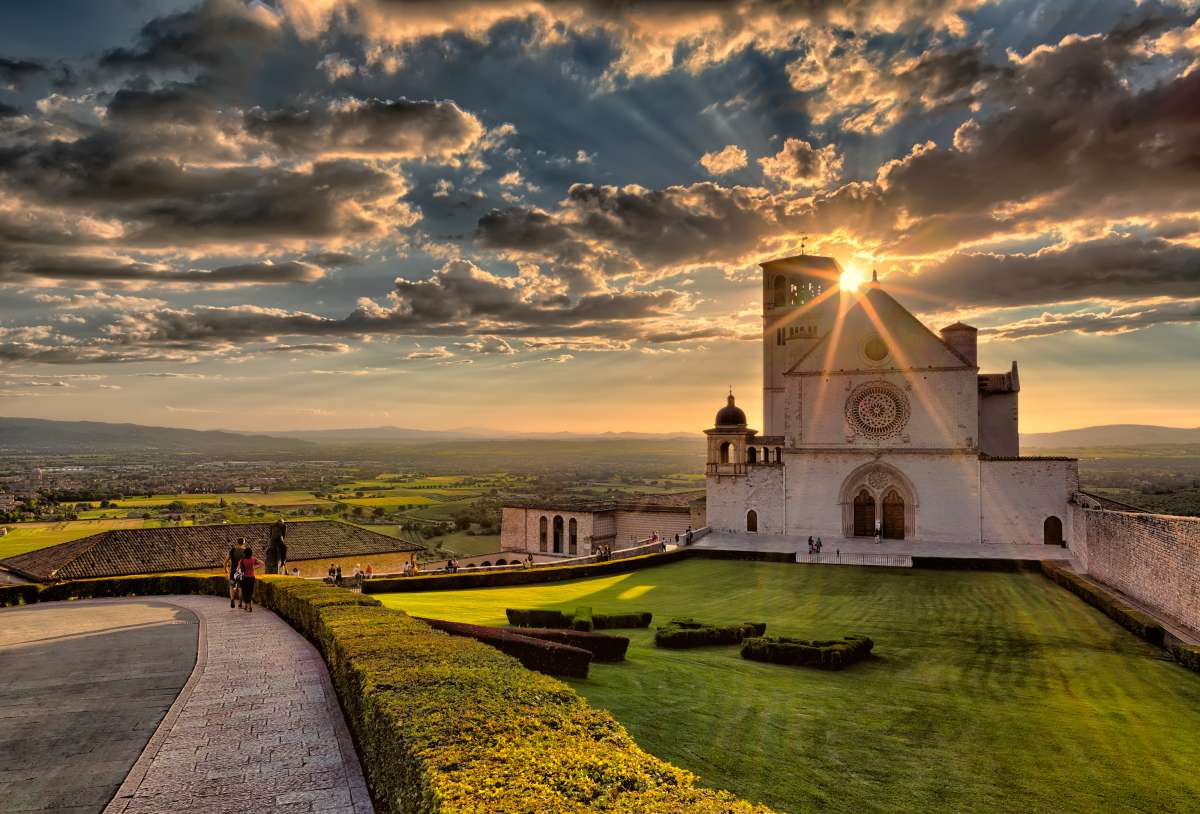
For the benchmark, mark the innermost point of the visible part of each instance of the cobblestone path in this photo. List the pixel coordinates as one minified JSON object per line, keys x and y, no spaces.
{"x":257,"y":729}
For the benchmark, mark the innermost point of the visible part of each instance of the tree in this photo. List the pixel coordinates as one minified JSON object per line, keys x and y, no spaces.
{"x":462,"y":522}
{"x":378,"y":511}
{"x":358,"y":511}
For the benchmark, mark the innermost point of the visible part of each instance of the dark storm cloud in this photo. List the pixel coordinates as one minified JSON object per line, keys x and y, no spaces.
{"x":14,"y":73}
{"x":173,"y":102}
{"x":8,"y":111}
{"x":216,"y":34}
{"x":398,"y":128}
{"x":1109,"y":268}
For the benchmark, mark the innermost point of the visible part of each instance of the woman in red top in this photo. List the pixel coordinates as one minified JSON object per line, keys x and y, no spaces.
{"x":247,"y":565}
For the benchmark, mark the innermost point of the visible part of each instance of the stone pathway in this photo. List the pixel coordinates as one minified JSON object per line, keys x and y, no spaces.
{"x":257,"y":728}
{"x":859,"y":545}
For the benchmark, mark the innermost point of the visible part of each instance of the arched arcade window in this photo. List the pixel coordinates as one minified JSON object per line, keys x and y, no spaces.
{"x":751,"y":455}
{"x":778,"y":455}
{"x":543,"y":526}
{"x":558,"y":534}
{"x":573,"y":537}
{"x":726,"y":447}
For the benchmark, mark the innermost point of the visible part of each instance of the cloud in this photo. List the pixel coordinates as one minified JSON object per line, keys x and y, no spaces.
{"x":98,"y":269}
{"x":400,"y":128}
{"x":487,"y":346}
{"x":14,"y":73}
{"x":1112,"y":267}
{"x":433,"y":353}
{"x":800,"y":165}
{"x":1101,"y":321}
{"x":728,"y":159}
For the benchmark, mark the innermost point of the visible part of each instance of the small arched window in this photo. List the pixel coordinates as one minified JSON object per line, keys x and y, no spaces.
{"x":573,"y":537}
{"x":752,"y":521}
{"x":778,"y":455}
{"x":725,"y":450}
{"x":558,"y":534}
{"x":543,"y":529}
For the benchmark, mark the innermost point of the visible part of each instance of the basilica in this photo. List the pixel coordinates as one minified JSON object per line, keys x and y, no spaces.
{"x":873,"y":423}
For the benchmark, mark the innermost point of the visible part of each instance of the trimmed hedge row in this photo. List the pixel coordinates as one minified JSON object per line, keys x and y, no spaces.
{"x":1010,"y":565}
{"x":537,"y":617}
{"x":525,"y":576}
{"x":450,"y":725}
{"x":826,"y":655}
{"x":1187,"y":654}
{"x":11,"y":595}
{"x":680,"y":633}
{"x":740,"y":554}
{"x":1141,"y":624}
{"x":537,"y":653}
{"x":582,"y":619}
{"x":602,"y":646}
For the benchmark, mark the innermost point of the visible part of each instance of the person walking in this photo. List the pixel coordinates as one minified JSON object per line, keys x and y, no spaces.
{"x":231,"y":567}
{"x":247,"y":565}
{"x":277,"y":548}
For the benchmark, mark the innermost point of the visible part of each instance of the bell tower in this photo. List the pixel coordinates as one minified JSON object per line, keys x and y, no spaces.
{"x":799,"y":305}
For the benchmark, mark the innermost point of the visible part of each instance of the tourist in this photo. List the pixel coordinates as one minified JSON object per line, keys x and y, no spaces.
{"x":819,"y":545}
{"x":276,"y":548}
{"x":231,"y":566}
{"x":296,"y":572}
{"x":247,"y":566}
{"x":368,"y":572}
{"x":416,"y":569}
{"x":337,"y":577}
{"x":687,"y":536}
{"x":878,"y":533}
{"x":408,"y":569}
{"x":332,"y":573}
{"x":811,"y":543}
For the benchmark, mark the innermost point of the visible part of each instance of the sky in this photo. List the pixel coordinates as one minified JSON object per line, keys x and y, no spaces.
{"x":547,"y":216}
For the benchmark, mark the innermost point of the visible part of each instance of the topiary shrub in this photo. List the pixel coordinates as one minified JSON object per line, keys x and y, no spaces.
{"x":1141,"y":624}
{"x":836,"y":654}
{"x":1188,"y":655}
{"x":582,"y":619}
{"x":685,"y":632}
{"x":543,"y":655}
{"x":612,"y":621}
{"x":602,"y":646}
{"x":535,"y":617}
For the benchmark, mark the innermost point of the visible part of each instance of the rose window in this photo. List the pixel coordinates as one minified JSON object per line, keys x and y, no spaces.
{"x":877,"y":410}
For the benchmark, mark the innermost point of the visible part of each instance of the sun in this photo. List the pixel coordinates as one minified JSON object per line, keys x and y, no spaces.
{"x":851,"y":279}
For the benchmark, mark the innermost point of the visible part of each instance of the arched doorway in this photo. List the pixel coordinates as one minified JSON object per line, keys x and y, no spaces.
{"x":725,"y":448}
{"x":864,"y":514}
{"x":543,"y":527}
{"x":751,"y":455}
{"x":893,"y":516}
{"x":573,"y":537}
{"x":752,"y":521}
{"x":558,"y":534}
{"x":1052,"y":531}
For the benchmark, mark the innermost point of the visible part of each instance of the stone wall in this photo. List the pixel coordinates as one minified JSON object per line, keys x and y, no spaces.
{"x":520,"y":530}
{"x":1018,"y":496}
{"x":1152,"y":558}
{"x":634,"y":526}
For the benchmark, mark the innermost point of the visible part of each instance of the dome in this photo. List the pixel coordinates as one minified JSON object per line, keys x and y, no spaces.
{"x":731,"y":415}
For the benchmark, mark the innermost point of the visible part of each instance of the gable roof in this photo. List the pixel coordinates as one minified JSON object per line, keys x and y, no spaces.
{"x":121,"y":552}
{"x":920,"y":346}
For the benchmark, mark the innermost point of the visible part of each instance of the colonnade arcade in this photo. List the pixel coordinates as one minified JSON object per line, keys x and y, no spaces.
{"x":551,"y":536}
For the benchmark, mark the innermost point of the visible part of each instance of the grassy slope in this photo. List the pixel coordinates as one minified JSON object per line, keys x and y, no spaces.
{"x":989,"y":692}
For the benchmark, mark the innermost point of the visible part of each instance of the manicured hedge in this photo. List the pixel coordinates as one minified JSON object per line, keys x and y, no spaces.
{"x":524,"y":576}
{"x":602,"y":646}
{"x":1141,"y":624}
{"x":679,"y":633}
{"x":615,"y":621}
{"x":1007,"y":564}
{"x":1187,"y":654}
{"x":536,"y":653}
{"x":448,"y":725}
{"x":537,"y":617}
{"x":742,"y":554}
{"x":827,"y":655}
{"x":582,"y":619}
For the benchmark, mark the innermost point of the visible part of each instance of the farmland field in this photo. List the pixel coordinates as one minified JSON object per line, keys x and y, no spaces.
{"x":986,"y":692}
{"x":32,"y":536}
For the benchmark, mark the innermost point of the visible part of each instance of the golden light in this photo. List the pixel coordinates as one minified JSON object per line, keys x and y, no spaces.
{"x":851,"y":279}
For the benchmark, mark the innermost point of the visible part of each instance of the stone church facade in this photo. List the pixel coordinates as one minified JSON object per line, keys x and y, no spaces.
{"x":871,"y":420}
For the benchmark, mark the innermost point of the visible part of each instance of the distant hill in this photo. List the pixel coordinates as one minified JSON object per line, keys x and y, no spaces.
{"x":1111,"y":435}
{"x":40,"y":435}
{"x":405,"y":435}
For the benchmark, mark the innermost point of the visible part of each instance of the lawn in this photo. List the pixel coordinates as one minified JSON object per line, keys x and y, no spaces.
{"x":987,"y":691}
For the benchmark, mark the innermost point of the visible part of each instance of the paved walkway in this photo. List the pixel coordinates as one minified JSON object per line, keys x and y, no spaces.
{"x":257,"y":729}
{"x":82,"y":687}
{"x":862,"y":545}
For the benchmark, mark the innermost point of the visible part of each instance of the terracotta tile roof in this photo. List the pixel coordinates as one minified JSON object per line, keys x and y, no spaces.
{"x":186,"y":548}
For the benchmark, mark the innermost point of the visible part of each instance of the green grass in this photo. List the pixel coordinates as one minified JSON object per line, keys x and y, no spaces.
{"x":987,"y":691}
